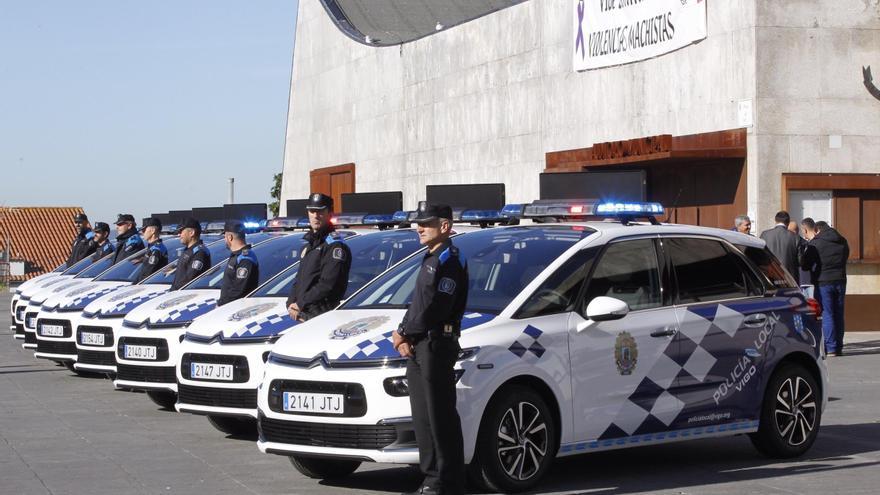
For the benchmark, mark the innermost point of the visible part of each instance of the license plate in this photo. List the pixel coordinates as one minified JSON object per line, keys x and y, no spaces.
{"x":92,"y":338}
{"x":314,"y":403}
{"x":52,"y":330}
{"x":211,"y":371}
{"x":140,"y":352}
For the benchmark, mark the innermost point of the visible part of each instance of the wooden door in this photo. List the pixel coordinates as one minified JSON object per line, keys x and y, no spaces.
{"x":334,"y":182}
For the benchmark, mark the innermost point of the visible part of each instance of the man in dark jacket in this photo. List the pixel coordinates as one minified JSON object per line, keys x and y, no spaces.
{"x":157,"y":254}
{"x":82,"y":244}
{"x":242,"y":272}
{"x":195,"y":258}
{"x":783,"y":243}
{"x":102,"y":246}
{"x":825,"y":258}
{"x":323,"y":270}
{"x":128,"y":241}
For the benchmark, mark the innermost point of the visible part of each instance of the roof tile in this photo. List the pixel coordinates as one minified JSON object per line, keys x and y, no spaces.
{"x":41,"y":236}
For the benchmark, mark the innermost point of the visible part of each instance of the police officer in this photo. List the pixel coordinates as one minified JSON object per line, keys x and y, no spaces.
{"x":128,"y":241}
{"x":157,"y":254}
{"x":428,"y":336}
{"x":242,"y":270}
{"x":195,"y":258}
{"x":324,"y":265}
{"x":101,"y":242}
{"x":82,"y":245}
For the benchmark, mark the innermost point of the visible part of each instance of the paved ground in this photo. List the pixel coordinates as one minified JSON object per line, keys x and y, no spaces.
{"x":62,"y":434}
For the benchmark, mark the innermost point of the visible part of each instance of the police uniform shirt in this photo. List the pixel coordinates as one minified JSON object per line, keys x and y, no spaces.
{"x":241,"y":275}
{"x":439,"y":296}
{"x":323,"y":274}
{"x":127,"y":244}
{"x":101,"y":250}
{"x":83,"y":246}
{"x":193,"y":261}
{"x":155,"y":258}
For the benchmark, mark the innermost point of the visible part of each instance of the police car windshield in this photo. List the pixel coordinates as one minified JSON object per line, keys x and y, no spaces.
{"x":130,"y":269}
{"x":273,"y":256}
{"x":79,"y":266}
{"x":165,"y":275}
{"x":501,"y":262}
{"x":371,"y":255}
{"x":61,"y":268}
{"x":97,"y":267}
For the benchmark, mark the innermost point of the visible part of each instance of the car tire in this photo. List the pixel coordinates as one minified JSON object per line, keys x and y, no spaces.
{"x":163,"y":398}
{"x":790,"y":413}
{"x":514,"y":462}
{"x":69,"y":365}
{"x":232,"y":425}
{"x":323,"y":468}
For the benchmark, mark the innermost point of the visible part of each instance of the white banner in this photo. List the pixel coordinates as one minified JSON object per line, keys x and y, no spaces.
{"x":614,"y":32}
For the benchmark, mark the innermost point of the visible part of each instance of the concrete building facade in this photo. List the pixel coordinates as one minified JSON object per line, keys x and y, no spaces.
{"x":771,"y":110}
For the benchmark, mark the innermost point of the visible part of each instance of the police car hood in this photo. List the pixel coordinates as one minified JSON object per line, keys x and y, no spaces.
{"x":80,"y":296}
{"x":121,"y":301}
{"x":174,"y":308}
{"x":30,"y":291}
{"x":250,"y":318}
{"x":38,"y":280}
{"x":58,"y":290}
{"x":352,"y":334}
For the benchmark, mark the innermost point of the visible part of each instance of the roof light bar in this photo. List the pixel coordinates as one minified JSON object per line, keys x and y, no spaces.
{"x":628,"y":209}
{"x":513,"y":211}
{"x":559,"y":208}
{"x":378,"y":219}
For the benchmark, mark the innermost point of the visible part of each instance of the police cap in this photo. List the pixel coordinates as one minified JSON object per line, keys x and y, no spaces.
{"x":430,"y":212}
{"x":234,"y":226}
{"x":80,"y":218}
{"x":152,"y":222}
{"x":124,"y":217}
{"x":190,"y":223}
{"x":318,"y":201}
{"x":101,"y":227}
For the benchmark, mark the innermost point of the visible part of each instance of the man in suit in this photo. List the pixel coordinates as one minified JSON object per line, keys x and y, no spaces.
{"x":784,"y":243}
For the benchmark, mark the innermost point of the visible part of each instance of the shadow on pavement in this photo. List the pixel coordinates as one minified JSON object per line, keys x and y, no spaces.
{"x":670,"y":467}
{"x":860,"y":348}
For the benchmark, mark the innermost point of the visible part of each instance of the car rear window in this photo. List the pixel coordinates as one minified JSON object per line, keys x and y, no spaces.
{"x":769,"y":266}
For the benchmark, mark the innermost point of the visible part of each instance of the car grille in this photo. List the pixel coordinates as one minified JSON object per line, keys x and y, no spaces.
{"x":53,"y":347}
{"x":149,"y":374}
{"x":160,"y":344}
{"x":241,"y":398}
{"x":30,"y":338}
{"x":372,"y":437}
{"x":19,"y":329}
{"x":106,"y":331}
{"x":355,"y":398}
{"x":65,"y":324}
{"x":99,"y":358}
{"x":240,"y":371}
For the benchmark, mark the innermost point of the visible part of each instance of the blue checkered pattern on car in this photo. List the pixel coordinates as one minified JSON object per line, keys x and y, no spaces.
{"x":189,"y":311}
{"x":528,"y":342}
{"x":650,"y":438}
{"x":265,"y":327}
{"x":125,"y":307}
{"x":83,"y":300}
{"x":381,"y":346}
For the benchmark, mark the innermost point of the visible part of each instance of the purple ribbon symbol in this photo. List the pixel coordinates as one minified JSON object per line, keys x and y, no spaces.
{"x":579,"y":41}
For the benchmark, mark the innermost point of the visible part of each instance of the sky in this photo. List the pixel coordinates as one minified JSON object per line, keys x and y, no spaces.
{"x":124,"y":106}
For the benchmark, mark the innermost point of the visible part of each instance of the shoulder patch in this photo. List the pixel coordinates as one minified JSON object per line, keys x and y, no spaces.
{"x":338,"y":253}
{"x":446,"y":285}
{"x":197,"y":265}
{"x":242,"y":272}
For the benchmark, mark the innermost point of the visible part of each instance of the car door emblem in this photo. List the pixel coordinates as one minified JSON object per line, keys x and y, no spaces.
{"x":626,"y":353}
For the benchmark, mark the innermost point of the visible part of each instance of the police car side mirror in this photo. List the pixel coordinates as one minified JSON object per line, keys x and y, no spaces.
{"x":605,"y":308}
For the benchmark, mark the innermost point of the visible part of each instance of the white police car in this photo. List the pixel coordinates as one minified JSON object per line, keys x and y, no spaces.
{"x":17,"y":311}
{"x":148,"y":346}
{"x":97,"y":327}
{"x":80,"y":273}
{"x":58,"y":315}
{"x":224,"y":352}
{"x":577,"y":337}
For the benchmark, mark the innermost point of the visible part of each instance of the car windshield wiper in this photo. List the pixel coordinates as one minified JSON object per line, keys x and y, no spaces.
{"x":381,"y":306}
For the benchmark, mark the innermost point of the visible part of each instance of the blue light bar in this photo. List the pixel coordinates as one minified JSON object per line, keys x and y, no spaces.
{"x":513,"y":211}
{"x":378,"y":219}
{"x":214,"y":227}
{"x":349,"y":219}
{"x":401,"y":216}
{"x":481,"y":216}
{"x":628,"y":209}
{"x":303,"y":222}
{"x":251,"y":225}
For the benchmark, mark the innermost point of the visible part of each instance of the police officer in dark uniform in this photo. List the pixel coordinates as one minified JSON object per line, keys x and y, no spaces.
{"x":195,"y":258}
{"x":242,"y":270}
{"x":128,"y":241}
{"x":82,"y":245}
{"x":428,"y":336}
{"x":324,"y":265}
{"x":157,"y":254}
{"x":102,"y":246}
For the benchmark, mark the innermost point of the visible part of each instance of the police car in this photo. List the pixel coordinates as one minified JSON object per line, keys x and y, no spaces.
{"x":578,"y":337}
{"x":148,"y":346}
{"x":223,"y":354}
{"x":58,"y":315}
{"x":17,"y":319}
{"x":33,"y":297}
{"x":97,"y":327}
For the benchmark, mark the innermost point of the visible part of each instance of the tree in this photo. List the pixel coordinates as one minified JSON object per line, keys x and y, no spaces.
{"x":274,"y":206}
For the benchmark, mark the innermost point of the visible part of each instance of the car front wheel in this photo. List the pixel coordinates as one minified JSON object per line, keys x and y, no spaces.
{"x":234,"y":426}
{"x":323,"y":468}
{"x":790,"y":414}
{"x":517,"y":441}
{"x":163,"y":398}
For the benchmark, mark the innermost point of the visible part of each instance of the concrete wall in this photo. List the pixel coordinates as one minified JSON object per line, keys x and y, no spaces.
{"x":809,"y":86}
{"x":483,"y":102}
